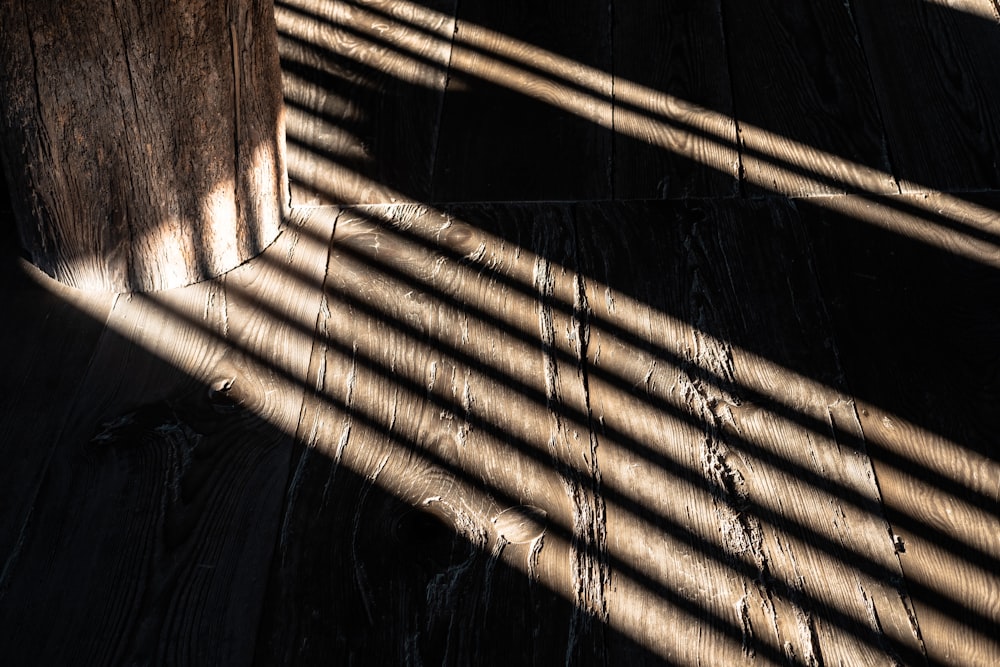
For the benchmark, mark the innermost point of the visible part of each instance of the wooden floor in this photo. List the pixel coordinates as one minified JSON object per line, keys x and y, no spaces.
{"x":601,"y":333}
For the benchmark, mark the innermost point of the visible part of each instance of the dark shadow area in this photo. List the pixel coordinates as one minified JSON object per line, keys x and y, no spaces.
{"x":936,"y":74}
{"x":914,"y":327}
{"x":155,"y":535}
{"x":832,"y":128}
{"x":893,"y":205}
{"x":45,"y":347}
{"x":149,"y":532}
{"x":174,"y":526}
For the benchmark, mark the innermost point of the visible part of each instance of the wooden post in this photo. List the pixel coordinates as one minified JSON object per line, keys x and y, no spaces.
{"x":143,"y":140}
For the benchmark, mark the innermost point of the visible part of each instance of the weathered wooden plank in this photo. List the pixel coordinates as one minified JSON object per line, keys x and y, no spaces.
{"x":152,"y":533}
{"x":47,"y":337}
{"x":808,"y":120}
{"x":443,"y":501}
{"x":918,"y":346}
{"x":936,"y":69}
{"x":143,"y":143}
{"x":363,"y":88}
{"x":527,"y":111}
{"x":723,"y":442}
{"x":669,"y":65}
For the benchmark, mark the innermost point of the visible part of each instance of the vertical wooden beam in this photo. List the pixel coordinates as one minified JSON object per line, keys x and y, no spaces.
{"x":143,"y":143}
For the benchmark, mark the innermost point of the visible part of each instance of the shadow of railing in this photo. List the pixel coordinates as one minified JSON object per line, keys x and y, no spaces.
{"x":606,"y":373}
{"x":534,"y":457}
{"x":949,"y":224}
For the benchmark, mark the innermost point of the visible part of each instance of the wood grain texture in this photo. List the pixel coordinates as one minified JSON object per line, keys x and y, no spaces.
{"x":917,"y":345}
{"x":47,"y":338}
{"x":719,"y":430}
{"x":503,"y":431}
{"x":363,"y":85}
{"x":727,"y":480}
{"x":144,"y":145}
{"x":153,"y":527}
{"x":936,"y":67}
{"x":807,"y":115}
{"x":670,"y":58}
{"x":528,"y":105}
{"x":429,"y":503}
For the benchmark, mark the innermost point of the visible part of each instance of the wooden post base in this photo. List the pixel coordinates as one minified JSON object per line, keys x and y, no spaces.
{"x":143,"y":143}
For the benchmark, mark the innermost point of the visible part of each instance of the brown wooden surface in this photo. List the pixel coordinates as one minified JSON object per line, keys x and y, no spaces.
{"x":432,"y":395}
{"x":721,"y":444}
{"x":525,"y":117}
{"x":799,"y":73}
{"x":669,"y":62}
{"x":154,"y":517}
{"x":363,"y":84}
{"x":733,"y":428}
{"x":936,"y":69}
{"x":415,"y":444}
{"x":143,"y":144}
{"x":48,"y":338}
{"x":917,"y":343}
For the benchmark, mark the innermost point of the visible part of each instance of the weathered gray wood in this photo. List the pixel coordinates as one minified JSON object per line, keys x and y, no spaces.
{"x":143,"y":142}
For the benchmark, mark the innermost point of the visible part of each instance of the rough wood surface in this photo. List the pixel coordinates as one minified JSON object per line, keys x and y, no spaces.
{"x":506,"y":433}
{"x":670,"y":64}
{"x":143,"y":143}
{"x":363,"y":84}
{"x":754,"y":430}
{"x":747,"y":526}
{"x":154,"y":521}
{"x":425,"y":503}
{"x":527,"y":110}
{"x":936,"y":69}
{"x":918,"y":346}
{"x":807,"y":116}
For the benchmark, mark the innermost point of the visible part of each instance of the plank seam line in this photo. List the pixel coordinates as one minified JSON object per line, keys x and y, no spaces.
{"x":440,"y":112}
{"x":763,"y":196}
{"x":740,"y":171}
{"x":886,"y":148}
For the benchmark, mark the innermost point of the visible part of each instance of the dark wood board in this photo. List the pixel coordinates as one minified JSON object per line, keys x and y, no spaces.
{"x":48,"y":335}
{"x":430,"y":515}
{"x":918,"y":334}
{"x":363,"y":88}
{"x":807,"y":115}
{"x":675,"y":135}
{"x":936,"y":69}
{"x":467,"y":371}
{"x":152,"y":530}
{"x":723,"y":441}
{"x":527,"y":110}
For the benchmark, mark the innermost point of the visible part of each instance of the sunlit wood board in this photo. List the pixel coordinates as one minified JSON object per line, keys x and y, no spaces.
{"x":936,"y":70}
{"x":529,"y":430}
{"x":155,"y":515}
{"x":918,"y":343}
